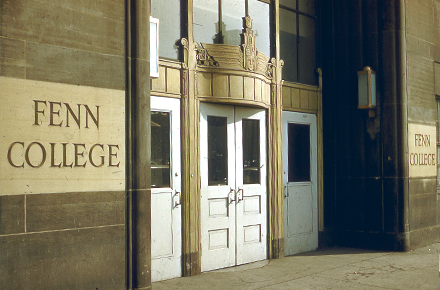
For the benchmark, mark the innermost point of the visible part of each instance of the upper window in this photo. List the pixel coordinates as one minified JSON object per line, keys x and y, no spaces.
{"x":168,"y":13}
{"x":208,"y":14}
{"x":298,"y":40}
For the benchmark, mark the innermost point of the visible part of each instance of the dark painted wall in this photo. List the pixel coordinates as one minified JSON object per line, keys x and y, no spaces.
{"x":363,"y":166}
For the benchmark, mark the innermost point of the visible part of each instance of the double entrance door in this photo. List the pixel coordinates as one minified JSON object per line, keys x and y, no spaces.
{"x":300,"y":182}
{"x":233,"y":185}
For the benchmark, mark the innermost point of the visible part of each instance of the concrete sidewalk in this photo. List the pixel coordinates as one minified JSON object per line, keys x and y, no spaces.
{"x":331,"y":268}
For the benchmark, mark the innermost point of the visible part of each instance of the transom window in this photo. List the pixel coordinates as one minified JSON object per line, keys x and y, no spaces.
{"x":298,"y":29}
{"x":298,"y":40}
{"x":208,"y":14}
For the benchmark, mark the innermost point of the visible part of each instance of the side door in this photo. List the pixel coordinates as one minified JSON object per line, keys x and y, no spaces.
{"x":300,"y":182}
{"x":166,"y":241}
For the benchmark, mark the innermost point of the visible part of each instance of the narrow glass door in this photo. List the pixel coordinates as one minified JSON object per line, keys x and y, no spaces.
{"x":300,"y":182}
{"x":165,"y":189}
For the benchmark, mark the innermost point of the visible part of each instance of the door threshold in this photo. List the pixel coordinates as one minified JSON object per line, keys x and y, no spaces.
{"x":244,"y":267}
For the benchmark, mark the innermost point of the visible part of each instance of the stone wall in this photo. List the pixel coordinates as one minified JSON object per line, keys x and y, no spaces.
{"x":61,"y":233}
{"x":422,"y":57}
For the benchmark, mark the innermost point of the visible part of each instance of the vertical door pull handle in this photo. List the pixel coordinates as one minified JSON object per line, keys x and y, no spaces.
{"x":240,"y":193}
{"x":231,"y":195}
{"x":286,"y":191}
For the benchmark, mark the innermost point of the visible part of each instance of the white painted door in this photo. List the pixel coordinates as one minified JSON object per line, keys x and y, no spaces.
{"x":300,"y":182}
{"x":233,"y":185}
{"x":165,"y":189}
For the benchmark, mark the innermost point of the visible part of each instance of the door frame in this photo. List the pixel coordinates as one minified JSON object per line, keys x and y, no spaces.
{"x":171,"y":263}
{"x":312,"y":120}
{"x":238,"y":196}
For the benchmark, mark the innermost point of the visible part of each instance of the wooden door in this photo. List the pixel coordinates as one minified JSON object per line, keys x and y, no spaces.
{"x":166,"y":241}
{"x":233,"y":185}
{"x":300,"y":182}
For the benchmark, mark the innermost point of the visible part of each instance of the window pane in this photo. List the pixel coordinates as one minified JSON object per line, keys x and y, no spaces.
{"x":160,"y":149}
{"x":217,"y":151}
{"x":299,"y":152}
{"x":251,"y":151}
{"x":233,"y":12}
{"x":288,"y":45}
{"x":307,"y":50}
{"x":288,"y":3}
{"x":168,"y":13}
{"x":259,"y":12}
{"x":307,"y":6}
{"x":205,"y":21}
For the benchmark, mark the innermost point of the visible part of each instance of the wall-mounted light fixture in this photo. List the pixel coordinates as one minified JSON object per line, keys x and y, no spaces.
{"x":367,"y":90}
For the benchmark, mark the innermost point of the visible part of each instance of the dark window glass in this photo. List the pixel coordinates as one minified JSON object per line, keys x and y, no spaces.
{"x":251,"y":151}
{"x":298,"y":41}
{"x":298,"y":152}
{"x":288,"y":45}
{"x":160,"y":149}
{"x":306,"y":6}
{"x":168,"y":13}
{"x":307,"y":50}
{"x":217,"y":151}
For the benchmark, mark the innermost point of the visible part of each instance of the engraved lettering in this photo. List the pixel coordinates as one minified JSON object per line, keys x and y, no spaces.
{"x":422,"y":140}
{"x":65,"y":156}
{"x":95,"y":119}
{"x":36,"y":122}
{"x":77,"y":154}
{"x":52,"y":156}
{"x":101,"y":156}
{"x":43,"y":158}
{"x":111,"y":154}
{"x":75,"y":117}
{"x":52,"y":112}
{"x":10,"y":154}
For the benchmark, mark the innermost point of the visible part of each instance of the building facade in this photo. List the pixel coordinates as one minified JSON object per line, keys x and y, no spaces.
{"x":246,"y":143}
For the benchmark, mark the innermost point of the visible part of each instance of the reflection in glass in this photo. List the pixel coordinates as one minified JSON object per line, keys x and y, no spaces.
{"x":288,"y":3}
{"x":233,"y":12}
{"x":168,"y":13}
{"x":259,"y":12}
{"x":217,"y":151}
{"x":298,"y":152}
{"x":205,"y":21}
{"x":160,"y":149}
{"x":251,"y":151}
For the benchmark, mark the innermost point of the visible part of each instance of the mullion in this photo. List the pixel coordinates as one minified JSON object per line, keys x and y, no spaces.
{"x":298,"y":12}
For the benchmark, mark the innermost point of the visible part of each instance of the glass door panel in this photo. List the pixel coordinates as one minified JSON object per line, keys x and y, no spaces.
{"x":251,"y":151}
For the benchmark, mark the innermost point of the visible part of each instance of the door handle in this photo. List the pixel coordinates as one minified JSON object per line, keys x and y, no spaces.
{"x":286,"y":191}
{"x":231,"y":195}
{"x":178,"y":201}
{"x":240,"y":193}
